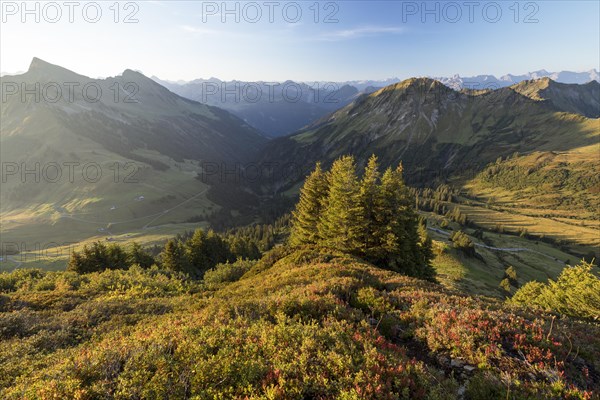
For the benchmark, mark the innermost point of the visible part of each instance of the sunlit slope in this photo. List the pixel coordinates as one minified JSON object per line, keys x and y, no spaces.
{"x":546,"y":183}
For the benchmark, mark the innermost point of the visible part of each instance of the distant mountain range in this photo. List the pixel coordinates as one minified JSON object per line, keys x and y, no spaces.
{"x":275,"y":109}
{"x":286,"y":107}
{"x":491,"y":82}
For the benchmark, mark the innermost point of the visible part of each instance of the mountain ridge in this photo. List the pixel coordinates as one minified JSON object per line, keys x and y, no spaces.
{"x":409,"y":120}
{"x":130,"y":95}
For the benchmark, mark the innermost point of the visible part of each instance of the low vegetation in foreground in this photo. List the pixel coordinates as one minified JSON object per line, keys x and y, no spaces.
{"x":300,"y":323}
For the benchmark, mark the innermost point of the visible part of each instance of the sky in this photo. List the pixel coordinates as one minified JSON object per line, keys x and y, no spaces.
{"x":302,"y":40}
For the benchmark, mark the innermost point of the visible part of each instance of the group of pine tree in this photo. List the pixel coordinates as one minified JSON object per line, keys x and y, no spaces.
{"x":191,"y":253}
{"x":371,"y":217}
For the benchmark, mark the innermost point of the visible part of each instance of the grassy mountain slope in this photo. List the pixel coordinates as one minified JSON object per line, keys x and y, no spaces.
{"x":576,"y":99}
{"x":482,"y":274}
{"x":135,"y":150}
{"x":128,"y":112}
{"x":545,"y":182}
{"x":303,"y":324}
{"x":435,"y":130}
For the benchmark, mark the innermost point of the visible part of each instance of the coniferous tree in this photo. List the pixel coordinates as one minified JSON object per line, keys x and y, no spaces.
{"x":137,"y":255}
{"x":369,"y":201}
{"x":98,"y":257}
{"x":463,"y":243}
{"x":511,"y":274}
{"x":77,"y":263}
{"x":95,"y":257}
{"x":401,"y":247}
{"x":389,"y":228}
{"x":116,"y":257}
{"x":306,"y":216}
{"x":410,"y":260}
{"x":340,"y":224}
{"x":505,"y":285}
{"x":205,"y":250}
{"x":217,"y":250}
{"x":173,"y":256}
{"x":426,"y":271}
{"x":196,"y":249}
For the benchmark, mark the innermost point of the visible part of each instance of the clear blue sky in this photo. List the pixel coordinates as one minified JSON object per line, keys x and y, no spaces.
{"x":370,"y":40}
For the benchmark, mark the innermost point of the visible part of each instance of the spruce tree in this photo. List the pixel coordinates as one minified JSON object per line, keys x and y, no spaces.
{"x":389,"y":228}
{"x":116,"y":257}
{"x":373,"y":217}
{"x":137,"y":255}
{"x":96,"y":257}
{"x":217,"y":250}
{"x":411,"y":257}
{"x":305,"y":217}
{"x":369,"y":202}
{"x":77,"y":263}
{"x":425,"y":270}
{"x":173,"y":256}
{"x":340,"y":224}
{"x":196,"y":249}
{"x":401,"y":247}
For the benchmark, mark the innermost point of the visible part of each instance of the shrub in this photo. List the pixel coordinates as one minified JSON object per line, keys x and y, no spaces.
{"x":19,"y":278}
{"x":505,"y":285}
{"x":227,"y":272}
{"x":576,"y":292}
{"x":307,"y":324}
{"x":463,"y":243}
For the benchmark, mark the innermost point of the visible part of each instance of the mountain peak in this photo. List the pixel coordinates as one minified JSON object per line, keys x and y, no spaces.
{"x":132,"y":72}
{"x":412,"y":83}
{"x":539,"y":72}
{"x":137,"y":76}
{"x":533,"y":85}
{"x":40,"y":69}
{"x":130,"y":75}
{"x":38,"y":63}
{"x":573,"y":98}
{"x":421,"y":85}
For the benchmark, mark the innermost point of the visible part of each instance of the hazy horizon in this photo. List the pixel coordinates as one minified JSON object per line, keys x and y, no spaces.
{"x":341,"y":41}
{"x":397,"y":77}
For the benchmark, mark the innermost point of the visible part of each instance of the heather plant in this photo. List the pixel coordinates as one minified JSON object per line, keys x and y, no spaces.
{"x":306,"y":323}
{"x":227,"y":272}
